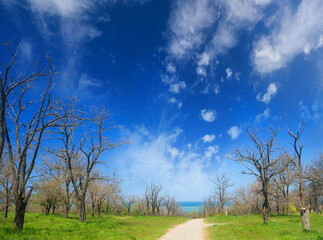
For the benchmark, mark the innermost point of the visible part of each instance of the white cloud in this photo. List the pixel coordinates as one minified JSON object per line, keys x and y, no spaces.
{"x":170,"y":68}
{"x":182,"y":172}
{"x":237,"y":76}
{"x":172,"y":100}
{"x":174,"y":152}
{"x":313,"y":112}
{"x":202,"y":63}
{"x":176,"y":87}
{"x":271,"y":91}
{"x":86,"y":82}
{"x":188,"y":20}
{"x":216,"y":89}
{"x":210,"y":152}
{"x":229,"y":73}
{"x":180,"y":105}
{"x":296,"y":32}
{"x":264,"y":115}
{"x":208,"y":138}
{"x":210,"y":25}
{"x":208,"y":115}
{"x":234,"y":132}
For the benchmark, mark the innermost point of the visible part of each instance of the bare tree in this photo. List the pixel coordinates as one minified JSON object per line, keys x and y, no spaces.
{"x":23,"y":123}
{"x":153,"y":197}
{"x":173,"y":208}
{"x":54,"y":169}
{"x":49,"y":194}
{"x":127,"y":202}
{"x":259,"y":162}
{"x":84,"y":139}
{"x":6,"y":184}
{"x":222,"y":183}
{"x":314,"y":173}
{"x":298,"y":148}
{"x":284,"y":179}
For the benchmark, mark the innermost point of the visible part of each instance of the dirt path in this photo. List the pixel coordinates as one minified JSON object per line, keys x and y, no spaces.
{"x":192,"y":230}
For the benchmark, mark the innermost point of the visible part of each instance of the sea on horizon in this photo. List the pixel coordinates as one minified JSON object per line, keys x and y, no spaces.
{"x":190,"y":206}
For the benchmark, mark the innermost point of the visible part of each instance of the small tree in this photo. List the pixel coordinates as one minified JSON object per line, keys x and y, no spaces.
{"x":222,"y":183}
{"x":259,"y":162}
{"x":298,"y":148}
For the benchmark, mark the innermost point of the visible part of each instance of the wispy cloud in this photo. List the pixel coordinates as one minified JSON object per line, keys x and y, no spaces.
{"x":155,"y":158}
{"x":313,"y":112}
{"x":271,"y":91}
{"x":296,"y":32}
{"x":262,"y":116}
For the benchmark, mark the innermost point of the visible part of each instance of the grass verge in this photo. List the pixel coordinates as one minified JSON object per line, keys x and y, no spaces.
{"x":251,"y":227}
{"x":39,"y":226}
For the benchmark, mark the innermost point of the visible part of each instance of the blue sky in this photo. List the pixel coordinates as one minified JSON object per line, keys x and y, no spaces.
{"x":182,"y":77}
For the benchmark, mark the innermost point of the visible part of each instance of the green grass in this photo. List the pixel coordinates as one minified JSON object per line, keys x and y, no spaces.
{"x":251,"y":227}
{"x":39,"y":226}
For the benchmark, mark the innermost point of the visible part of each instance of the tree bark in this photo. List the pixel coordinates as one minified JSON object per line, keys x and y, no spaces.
{"x":265,"y":205}
{"x":305,"y":216}
{"x":67,"y":209}
{"x":93,"y":209}
{"x":19,"y":214}
{"x":82,"y":211}
{"x":5,"y":208}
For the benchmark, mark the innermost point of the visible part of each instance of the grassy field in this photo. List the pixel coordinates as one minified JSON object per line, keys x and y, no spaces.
{"x":251,"y":227}
{"x":39,"y":226}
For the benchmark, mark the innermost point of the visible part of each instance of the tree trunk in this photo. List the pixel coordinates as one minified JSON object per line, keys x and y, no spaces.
{"x":67,"y":209}
{"x":93,"y":209}
{"x":99,"y":210}
{"x":82,"y":211}
{"x":305,"y":216}
{"x":47,"y":209}
{"x":265,"y":205}
{"x":5,"y":207}
{"x":19,"y":214}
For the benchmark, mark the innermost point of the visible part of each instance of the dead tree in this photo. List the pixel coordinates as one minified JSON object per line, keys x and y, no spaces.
{"x":298,"y":148}
{"x":222,"y":183}
{"x":259,"y":162}
{"x":283,"y":181}
{"x":5,"y":184}
{"x":54,"y":169}
{"x":23,"y":122}
{"x":127,"y":202}
{"x":153,"y":197}
{"x":83,"y":140}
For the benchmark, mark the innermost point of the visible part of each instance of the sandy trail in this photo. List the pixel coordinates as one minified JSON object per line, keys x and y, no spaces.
{"x":192,"y":230}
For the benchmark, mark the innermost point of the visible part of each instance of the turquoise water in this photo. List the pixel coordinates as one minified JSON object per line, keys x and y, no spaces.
{"x":190,"y":206}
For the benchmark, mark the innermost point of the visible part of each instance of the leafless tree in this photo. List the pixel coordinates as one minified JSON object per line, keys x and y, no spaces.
{"x":83,"y":140}
{"x":173,"y":208}
{"x":298,"y":148}
{"x":210,"y":205}
{"x":260,"y":162}
{"x":49,"y":194}
{"x":23,"y":122}
{"x":127,"y":202}
{"x":284,"y":179}
{"x":6,"y":184}
{"x":54,"y":168}
{"x":222,"y":183}
{"x":153,"y":197}
{"x":314,"y":173}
